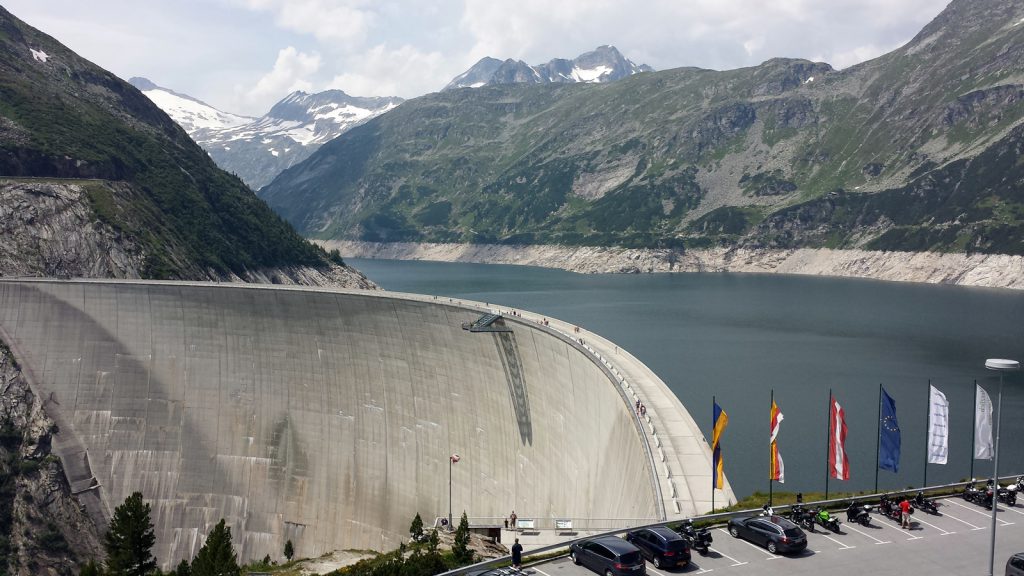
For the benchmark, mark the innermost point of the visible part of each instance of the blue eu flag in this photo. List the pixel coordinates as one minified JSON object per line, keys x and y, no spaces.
{"x":889,"y":435}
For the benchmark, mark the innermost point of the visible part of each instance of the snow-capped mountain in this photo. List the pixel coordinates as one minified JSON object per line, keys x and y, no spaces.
{"x":190,"y":113}
{"x":605,"y":64}
{"x":258,"y":149}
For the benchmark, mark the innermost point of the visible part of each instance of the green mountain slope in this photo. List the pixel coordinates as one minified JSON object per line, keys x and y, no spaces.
{"x":62,"y":117}
{"x":689,"y":157}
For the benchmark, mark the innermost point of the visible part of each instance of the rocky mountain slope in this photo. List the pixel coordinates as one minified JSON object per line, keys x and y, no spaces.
{"x":43,"y":530}
{"x":915,"y":150}
{"x":97,"y":180}
{"x":258,"y":149}
{"x":605,"y":64}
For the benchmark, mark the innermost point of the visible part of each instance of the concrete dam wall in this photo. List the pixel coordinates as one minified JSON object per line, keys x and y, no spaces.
{"x":323,"y":417}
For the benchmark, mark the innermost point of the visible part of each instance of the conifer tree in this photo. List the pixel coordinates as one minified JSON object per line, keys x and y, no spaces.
{"x":289,"y":550}
{"x":129,"y":542}
{"x":460,"y":547}
{"x":416,"y":528}
{"x":90,"y":569}
{"x":183,"y":569}
{"x":217,"y":556}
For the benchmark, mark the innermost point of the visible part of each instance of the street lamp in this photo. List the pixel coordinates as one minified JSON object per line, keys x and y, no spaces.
{"x":453,"y":459}
{"x":1000,"y":365}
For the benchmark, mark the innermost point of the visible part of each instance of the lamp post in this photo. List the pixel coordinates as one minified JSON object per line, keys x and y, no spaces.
{"x":1000,"y":365}
{"x":451,"y":460}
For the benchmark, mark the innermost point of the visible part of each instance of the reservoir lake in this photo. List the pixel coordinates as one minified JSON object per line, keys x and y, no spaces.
{"x":737,"y":337}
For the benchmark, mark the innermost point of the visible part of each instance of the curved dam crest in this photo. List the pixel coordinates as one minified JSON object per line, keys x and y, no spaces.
{"x":321,"y":417}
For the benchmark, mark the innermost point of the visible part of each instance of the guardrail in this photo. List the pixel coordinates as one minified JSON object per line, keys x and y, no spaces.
{"x":544,"y":550}
{"x":557,"y":524}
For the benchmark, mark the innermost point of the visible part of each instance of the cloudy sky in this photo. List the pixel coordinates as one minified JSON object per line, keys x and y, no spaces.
{"x":243,"y":55}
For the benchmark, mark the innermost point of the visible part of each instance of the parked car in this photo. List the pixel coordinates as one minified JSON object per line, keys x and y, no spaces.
{"x":609,"y":556}
{"x":664,"y":547}
{"x":1015,"y":565}
{"x":775,"y":533}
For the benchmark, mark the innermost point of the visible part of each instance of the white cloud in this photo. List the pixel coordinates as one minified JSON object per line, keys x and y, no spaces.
{"x":347,"y":21}
{"x":753,"y":45}
{"x":291,"y":72}
{"x":382,"y":71}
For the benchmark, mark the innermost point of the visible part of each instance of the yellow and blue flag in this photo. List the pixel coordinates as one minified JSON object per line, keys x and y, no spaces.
{"x":721,"y":420}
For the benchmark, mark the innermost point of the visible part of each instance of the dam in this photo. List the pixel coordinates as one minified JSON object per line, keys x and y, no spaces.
{"x":327,"y":417}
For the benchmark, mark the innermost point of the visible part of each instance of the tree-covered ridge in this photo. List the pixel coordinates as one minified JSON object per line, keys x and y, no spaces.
{"x":63,"y":117}
{"x":692,"y":157}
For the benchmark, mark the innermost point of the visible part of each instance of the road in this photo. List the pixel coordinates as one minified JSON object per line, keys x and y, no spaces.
{"x":955,"y":542}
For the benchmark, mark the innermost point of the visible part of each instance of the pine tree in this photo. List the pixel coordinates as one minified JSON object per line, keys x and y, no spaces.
{"x":217,"y":556}
{"x":90,"y":569}
{"x":460,"y":547}
{"x":289,"y":550}
{"x":183,"y":569}
{"x":416,"y":528}
{"x":433,"y":542}
{"x":129,"y":542}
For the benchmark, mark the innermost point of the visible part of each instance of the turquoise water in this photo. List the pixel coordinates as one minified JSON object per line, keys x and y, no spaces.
{"x":739,"y":336}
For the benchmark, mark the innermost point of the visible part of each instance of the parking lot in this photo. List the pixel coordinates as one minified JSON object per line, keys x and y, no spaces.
{"x":954,"y":542}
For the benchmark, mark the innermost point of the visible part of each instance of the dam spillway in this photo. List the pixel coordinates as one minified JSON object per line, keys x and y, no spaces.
{"x":322,"y":417}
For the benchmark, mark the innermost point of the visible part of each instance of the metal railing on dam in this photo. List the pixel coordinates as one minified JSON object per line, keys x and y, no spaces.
{"x":321,"y":416}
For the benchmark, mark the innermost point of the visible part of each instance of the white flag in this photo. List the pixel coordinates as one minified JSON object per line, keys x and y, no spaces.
{"x":938,"y":427}
{"x":982,"y":425}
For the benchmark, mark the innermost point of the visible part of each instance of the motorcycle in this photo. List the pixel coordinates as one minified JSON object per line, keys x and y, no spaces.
{"x":891,"y":508}
{"x":829,"y":522}
{"x":1007,"y":495}
{"x":700,"y":540}
{"x":802,"y":517}
{"x":923,"y":503}
{"x":978,"y":496}
{"x":1012,"y":490}
{"x":859,"y":513}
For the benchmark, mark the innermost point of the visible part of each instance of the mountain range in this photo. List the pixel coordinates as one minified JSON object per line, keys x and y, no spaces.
{"x":96,"y":180}
{"x":258,"y":149}
{"x":916,"y":150}
{"x":605,"y":64}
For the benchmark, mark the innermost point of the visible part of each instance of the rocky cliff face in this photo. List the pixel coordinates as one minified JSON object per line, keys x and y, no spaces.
{"x":78,"y":229}
{"x":43,"y":529}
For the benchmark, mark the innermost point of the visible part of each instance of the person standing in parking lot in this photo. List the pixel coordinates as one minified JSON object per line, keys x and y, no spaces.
{"x":517,"y":555}
{"x":905,"y":513}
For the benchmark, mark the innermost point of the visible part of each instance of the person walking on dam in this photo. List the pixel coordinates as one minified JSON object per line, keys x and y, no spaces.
{"x":517,"y":555}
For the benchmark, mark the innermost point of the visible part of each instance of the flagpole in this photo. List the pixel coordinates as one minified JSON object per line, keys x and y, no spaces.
{"x":828,"y":441}
{"x":878,"y":435}
{"x":450,"y":462}
{"x":771,"y":482}
{"x":714,"y":471}
{"x":927,"y":435}
{"x":974,"y":422}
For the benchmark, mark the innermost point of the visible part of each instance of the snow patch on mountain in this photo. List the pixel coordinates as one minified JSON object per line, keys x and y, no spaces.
{"x":190,"y":113}
{"x":258,"y":149}
{"x":591,"y":75}
{"x":39,"y":55}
